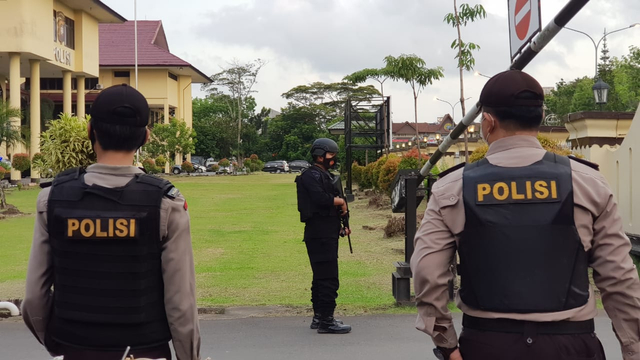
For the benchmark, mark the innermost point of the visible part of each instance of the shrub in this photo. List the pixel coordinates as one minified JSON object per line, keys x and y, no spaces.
{"x":546,"y":142}
{"x":21,"y":162}
{"x":253,"y":157}
{"x":410,"y":160}
{"x":150,"y":167}
{"x":38,"y":164}
{"x":187,"y":166}
{"x":377,"y":168}
{"x":65,"y":144}
{"x":256,"y":165}
{"x":357,"y":172}
{"x":387,"y":174}
{"x":215,"y":168}
{"x":161,"y":161}
{"x":367,"y":176}
{"x":3,"y":171}
{"x":224,"y":162}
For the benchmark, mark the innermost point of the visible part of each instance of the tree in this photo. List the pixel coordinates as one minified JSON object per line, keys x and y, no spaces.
{"x":174,"y":137}
{"x":239,"y":80}
{"x":214,"y":125}
{"x":9,"y":134}
{"x":413,"y":70}
{"x":461,"y":17}
{"x":329,"y":99}
{"x":623,"y":75}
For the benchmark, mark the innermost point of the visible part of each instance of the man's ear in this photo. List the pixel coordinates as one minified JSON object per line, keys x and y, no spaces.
{"x":146,"y":136}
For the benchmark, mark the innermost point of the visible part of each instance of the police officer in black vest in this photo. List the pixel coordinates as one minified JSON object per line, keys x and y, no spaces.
{"x":115,"y":245}
{"x":527,"y":225}
{"x":320,"y":209}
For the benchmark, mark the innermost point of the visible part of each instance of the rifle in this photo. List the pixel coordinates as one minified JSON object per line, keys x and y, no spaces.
{"x":337,"y":185}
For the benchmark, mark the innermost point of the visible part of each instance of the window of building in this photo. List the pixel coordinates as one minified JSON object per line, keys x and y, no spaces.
{"x":91,"y":83}
{"x":51,"y":84}
{"x":122,"y":74}
{"x":173,"y":77}
{"x":64,"y":30}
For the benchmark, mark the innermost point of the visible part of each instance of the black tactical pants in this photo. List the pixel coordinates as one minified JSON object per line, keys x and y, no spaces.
{"x":482,"y":345}
{"x":323,"y":256}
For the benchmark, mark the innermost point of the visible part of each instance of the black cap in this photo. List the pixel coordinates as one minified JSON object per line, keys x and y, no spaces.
{"x":121,"y":105}
{"x":507,"y":88}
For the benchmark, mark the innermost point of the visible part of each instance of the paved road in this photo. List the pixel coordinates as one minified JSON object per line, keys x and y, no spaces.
{"x":374,"y":337}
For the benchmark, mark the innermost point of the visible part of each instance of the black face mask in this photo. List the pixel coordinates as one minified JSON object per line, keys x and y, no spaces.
{"x":329,"y":163}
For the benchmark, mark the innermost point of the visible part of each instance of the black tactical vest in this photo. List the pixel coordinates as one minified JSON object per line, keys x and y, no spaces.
{"x":108,"y":287}
{"x":306,"y":206}
{"x":520,"y":251}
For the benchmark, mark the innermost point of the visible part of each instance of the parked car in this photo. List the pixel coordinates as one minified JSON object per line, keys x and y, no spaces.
{"x":298,"y":165}
{"x":277,"y":166}
{"x":177,"y":169}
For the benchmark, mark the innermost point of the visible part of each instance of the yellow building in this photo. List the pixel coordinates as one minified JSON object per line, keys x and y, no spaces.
{"x":163,"y":78}
{"x":48,"y":39}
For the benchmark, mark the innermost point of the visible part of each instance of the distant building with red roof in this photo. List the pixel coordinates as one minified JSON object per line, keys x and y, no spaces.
{"x":163,"y":78}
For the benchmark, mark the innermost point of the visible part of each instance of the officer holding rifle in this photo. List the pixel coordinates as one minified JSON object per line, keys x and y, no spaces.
{"x":321,"y":210}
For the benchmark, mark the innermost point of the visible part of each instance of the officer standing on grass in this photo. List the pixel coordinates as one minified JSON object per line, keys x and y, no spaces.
{"x":115,"y":245}
{"x":527,"y":224}
{"x":320,"y":209}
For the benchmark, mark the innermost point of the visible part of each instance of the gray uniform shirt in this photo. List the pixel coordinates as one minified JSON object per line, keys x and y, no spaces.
{"x":599,"y":226}
{"x":178,"y":270}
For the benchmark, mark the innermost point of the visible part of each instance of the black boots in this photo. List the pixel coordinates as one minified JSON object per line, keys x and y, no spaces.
{"x":329,"y":325}
{"x":315,"y":322}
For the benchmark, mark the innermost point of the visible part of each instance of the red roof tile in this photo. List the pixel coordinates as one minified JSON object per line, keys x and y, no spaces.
{"x":117,"y":45}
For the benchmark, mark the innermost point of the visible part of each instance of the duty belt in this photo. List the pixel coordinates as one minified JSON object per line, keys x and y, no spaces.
{"x":522,"y":326}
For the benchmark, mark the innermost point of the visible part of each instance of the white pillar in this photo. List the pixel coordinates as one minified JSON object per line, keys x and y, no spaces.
{"x":14,"y":102}
{"x":80,"y":103}
{"x":35,"y":113}
{"x":3,"y":87}
{"x":66,"y":92}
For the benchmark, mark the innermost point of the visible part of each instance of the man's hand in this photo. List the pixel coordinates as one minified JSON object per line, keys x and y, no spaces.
{"x":455,"y":355}
{"x":347,"y":231}
{"x":344,"y":208}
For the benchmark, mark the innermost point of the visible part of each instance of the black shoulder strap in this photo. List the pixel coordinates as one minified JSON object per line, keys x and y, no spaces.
{"x":68,"y":175}
{"x":168,"y":189}
{"x":585,"y":162}
{"x":451,"y":169}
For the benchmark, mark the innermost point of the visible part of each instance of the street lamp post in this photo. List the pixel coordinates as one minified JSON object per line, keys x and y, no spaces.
{"x":601,"y":88}
{"x":466,"y":138}
{"x":597,"y":45}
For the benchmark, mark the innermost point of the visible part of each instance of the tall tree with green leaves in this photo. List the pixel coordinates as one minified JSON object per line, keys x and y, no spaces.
{"x":239,"y":79}
{"x":413,"y":70}
{"x":461,"y":17}
{"x":174,"y":137}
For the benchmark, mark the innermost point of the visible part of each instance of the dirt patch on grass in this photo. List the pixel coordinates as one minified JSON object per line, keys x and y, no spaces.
{"x":10,"y":212}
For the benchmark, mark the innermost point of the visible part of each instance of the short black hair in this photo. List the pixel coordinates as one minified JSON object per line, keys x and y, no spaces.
{"x":118,"y":137}
{"x":518,"y":117}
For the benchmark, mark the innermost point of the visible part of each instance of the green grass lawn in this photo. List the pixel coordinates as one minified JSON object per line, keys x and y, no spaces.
{"x":247,"y":241}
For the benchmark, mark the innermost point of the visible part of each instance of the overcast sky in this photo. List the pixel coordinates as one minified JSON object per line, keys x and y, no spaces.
{"x":323,"y":40}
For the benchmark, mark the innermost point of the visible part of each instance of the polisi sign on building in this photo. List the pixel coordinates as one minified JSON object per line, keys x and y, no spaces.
{"x":524,"y":23}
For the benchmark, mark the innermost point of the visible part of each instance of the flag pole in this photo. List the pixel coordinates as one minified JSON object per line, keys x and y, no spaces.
{"x":135,"y":36}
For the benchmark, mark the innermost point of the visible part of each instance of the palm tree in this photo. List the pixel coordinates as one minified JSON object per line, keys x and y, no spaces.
{"x":9,"y":135}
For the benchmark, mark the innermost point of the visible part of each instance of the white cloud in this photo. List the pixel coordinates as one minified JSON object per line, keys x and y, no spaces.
{"x":323,"y":40}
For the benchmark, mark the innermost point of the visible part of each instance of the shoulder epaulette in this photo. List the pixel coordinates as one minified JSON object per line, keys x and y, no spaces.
{"x":451,"y":169}
{"x":585,"y":162}
{"x":168,"y":189}
{"x":68,"y":175}
{"x":45,"y":184}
